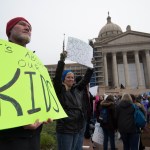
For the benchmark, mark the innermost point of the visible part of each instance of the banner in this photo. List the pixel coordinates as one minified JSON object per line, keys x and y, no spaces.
{"x":26,"y":90}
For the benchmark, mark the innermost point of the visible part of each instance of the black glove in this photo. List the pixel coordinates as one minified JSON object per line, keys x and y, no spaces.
{"x":63,"y":56}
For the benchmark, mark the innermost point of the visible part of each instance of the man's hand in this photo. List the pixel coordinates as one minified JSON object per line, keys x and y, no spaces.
{"x":63,"y":55}
{"x":33,"y":126}
{"x":49,"y":120}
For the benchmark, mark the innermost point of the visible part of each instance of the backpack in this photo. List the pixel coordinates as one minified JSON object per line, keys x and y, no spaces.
{"x":139,"y":118}
{"x":103,"y":115}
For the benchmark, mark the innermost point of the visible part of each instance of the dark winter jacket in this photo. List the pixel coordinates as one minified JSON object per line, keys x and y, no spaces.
{"x":110,"y":107}
{"x":19,"y":132}
{"x":87,"y":104}
{"x":125,"y":117}
{"x":71,"y":101}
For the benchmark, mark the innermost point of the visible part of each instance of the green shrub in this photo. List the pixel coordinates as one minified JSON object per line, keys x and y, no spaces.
{"x":47,"y":141}
{"x":48,"y":137}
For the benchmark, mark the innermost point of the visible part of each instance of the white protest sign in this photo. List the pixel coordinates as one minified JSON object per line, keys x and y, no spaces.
{"x":79,"y":52}
{"x":93,"y":90}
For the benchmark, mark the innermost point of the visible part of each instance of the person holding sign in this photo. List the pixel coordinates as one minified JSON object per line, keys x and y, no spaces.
{"x":70,"y":96}
{"x":26,"y":137}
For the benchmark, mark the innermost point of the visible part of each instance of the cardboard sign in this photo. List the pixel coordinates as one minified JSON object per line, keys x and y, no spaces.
{"x":26,"y":90}
{"x":79,"y":51}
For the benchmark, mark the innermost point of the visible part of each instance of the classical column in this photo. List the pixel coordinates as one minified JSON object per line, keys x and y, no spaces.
{"x":115,"y":72}
{"x":126,"y":70}
{"x":145,"y":69}
{"x":138,"y":70}
{"x":105,"y":69}
{"x":148,"y":66}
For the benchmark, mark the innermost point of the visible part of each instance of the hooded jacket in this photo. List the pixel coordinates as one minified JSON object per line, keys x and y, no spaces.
{"x":109,"y":105}
{"x":125,"y":117}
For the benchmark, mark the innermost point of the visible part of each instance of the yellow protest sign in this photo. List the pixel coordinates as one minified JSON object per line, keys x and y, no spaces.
{"x":26,"y":91}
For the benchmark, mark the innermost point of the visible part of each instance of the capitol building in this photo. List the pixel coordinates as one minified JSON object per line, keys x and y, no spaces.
{"x":122,"y":60}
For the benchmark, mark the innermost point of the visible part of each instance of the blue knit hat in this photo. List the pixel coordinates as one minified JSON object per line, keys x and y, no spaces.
{"x":65,"y":72}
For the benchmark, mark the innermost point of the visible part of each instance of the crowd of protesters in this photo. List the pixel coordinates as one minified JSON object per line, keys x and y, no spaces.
{"x":121,"y":119}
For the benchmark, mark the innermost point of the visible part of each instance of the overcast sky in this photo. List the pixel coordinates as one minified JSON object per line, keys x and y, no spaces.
{"x":82,"y":19}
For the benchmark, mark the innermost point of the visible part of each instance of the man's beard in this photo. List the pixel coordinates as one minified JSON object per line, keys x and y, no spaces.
{"x":23,"y":39}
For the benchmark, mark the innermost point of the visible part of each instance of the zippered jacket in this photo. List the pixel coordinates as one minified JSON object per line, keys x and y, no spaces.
{"x":71,"y":101}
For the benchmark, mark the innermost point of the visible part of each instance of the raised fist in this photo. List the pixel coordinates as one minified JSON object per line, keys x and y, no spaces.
{"x":63,"y":55}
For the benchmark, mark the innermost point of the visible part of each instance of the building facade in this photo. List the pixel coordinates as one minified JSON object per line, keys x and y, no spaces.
{"x":122,"y":58}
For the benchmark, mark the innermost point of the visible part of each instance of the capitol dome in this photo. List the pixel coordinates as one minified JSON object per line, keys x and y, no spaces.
{"x":109,"y":30}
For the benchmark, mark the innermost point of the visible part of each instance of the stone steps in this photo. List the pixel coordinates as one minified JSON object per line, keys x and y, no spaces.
{"x":130,"y":91}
